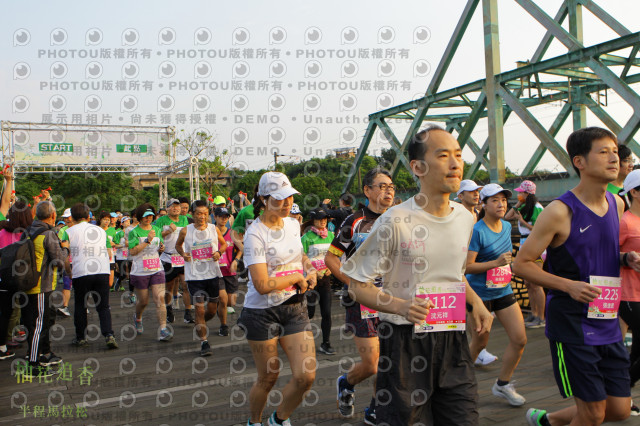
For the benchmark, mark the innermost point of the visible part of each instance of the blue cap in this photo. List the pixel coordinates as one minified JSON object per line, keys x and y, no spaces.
{"x":113,"y":214}
{"x":148,"y":212}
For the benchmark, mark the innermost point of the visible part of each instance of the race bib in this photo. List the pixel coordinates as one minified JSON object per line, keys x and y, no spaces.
{"x":607,"y":304}
{"x":151,"y":263}
{"x":366,"y":313}
{"x":291,"y":290}
{"x":202,"y":251}
{"x":448,"y":314}
{"x":319,"y":264}
{"x":499,"y":277}
{"x":177,"y":260}
{"x":125,"y":253}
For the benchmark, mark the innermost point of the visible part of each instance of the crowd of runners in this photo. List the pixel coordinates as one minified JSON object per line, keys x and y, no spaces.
{"x":415,"y":278}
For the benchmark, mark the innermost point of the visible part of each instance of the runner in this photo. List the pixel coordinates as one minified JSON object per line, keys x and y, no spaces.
{"x":315,"y":244}
{"x":228,"y":266}
{"x":122,"y":252}
{"x":220,"y":202}
{"x":201,"y":244}
{"x":127,"y":230}
{"x":295,"y":213}
{"x":626,"y":166}
{"x":526,"y":212}
{"x":145,"y":242}
{"x":469,"y":196}
{"x":172,"y":261}
{"x":90,"y":253}
{"x":580,"y":231}
{"x":18,"y":219}
{"x":274,"y":309}
{"x":341,"y":213}
{"x":104,"y":220}
{"x":630,"y":295}
{"x":420,"y":247}
{"x":66,"y":279}
{"x":363,"y":322}
{"x":489,"y":274}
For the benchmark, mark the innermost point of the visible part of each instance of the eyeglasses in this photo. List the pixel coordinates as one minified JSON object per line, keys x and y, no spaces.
{"x":384,"y":187}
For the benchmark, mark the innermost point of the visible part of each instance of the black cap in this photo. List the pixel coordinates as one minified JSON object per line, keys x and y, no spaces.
{"x":221,"y":211}
{"x":318,"y":213}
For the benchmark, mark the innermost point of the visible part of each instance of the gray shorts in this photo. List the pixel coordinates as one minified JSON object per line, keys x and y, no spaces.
{"x":425,"y":378}
{"x":276,"y":321}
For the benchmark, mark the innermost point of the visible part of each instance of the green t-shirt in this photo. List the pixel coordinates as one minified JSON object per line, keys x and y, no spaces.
{"x":537,"y":209}
{"x":119,"y":236}
{"x":245,"y":215}
{"x":613,"y":189}
{"x":311,"y":238}
{"x":166,"y":221}
{"x":137,"y":233}
{"x":2,"y":217}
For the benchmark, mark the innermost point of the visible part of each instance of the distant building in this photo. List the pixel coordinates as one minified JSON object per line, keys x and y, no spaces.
{"x":346,"y":152}
{"x":147,"y":181}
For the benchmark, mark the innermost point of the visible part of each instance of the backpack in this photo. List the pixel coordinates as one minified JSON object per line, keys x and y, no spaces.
{"x":18,"y":262}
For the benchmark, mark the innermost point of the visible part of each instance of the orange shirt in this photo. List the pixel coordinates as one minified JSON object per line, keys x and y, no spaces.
{"x":630,"y":241}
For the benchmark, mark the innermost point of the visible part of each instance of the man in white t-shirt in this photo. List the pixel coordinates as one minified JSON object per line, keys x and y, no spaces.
{"x":90,"y":253}
{"x":422,"y":244}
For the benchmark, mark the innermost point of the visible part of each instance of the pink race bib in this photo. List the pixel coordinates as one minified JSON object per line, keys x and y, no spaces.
{"x":449,"y":311}
{"x":291,"y":290}
{"x":202,"y":254}
{"x":151,"y":263}
{"x":366,"y":313}
{"x":319,"y":264}
{"x":607,"y":304}
{"x":125,"y":253}
{"x":177,"y":260}
{"x":499,"y":277}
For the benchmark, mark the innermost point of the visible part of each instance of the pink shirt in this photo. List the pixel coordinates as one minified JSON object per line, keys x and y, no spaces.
{"x":7,"y":238}
{"x":630,"y":241}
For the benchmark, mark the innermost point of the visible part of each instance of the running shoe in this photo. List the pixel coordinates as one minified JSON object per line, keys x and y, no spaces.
{"x":79,"y":343}
{"x":509,"y":393}
{"x":132,"y":298}
{"x":224,"y":330}
{"x":138,"y":323}
{"x":170,"y":317}
{"x":485,"y":358}
{"x":111,"y":342}
{"x":188,"y":318}
{"x":20,"y":336}
{"x":326,"y":349}
{"x":165,"y":335}
{"x":272,"y":421}
{"x":253,"y":424}
{"x":48,"y":360}
{"x":6,"y":354}
{"x":345,"y":398}
{"x":534,"y":416}
{"x":205,"y":349}
{"x":230,"y":310}
{"x":369,"y":416}
{"x":635,"y":411}
{"x":64,"y":312}
{"x":536,"y":322}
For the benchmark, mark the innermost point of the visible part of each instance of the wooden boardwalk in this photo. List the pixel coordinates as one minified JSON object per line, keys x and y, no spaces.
{"x":146,"y":382}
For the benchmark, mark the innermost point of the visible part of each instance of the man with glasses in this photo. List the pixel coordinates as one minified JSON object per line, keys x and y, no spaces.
{"x":380,"y":191}
{"x":626,"y":166}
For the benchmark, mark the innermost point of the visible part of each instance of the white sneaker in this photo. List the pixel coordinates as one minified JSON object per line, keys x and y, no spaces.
{"x":509,"y":393}
{"x":230,"y":310}
{"x":272,"y":421}
{"x":485,"y":358}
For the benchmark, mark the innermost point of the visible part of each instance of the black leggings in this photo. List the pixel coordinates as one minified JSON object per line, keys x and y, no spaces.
{"x":124,"y":266}
{"x":321,"y":295}
{"x":630,"y":313}
{"x":7,"y":290}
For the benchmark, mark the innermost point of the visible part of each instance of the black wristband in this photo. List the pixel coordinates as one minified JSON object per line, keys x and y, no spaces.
{"x":624,"y":260}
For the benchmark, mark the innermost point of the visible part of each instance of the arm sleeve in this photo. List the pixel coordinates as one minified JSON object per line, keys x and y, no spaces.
{"x":305,"y":243}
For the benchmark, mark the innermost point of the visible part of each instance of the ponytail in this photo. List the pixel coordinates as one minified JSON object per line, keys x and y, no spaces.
{"x":259,"y":204}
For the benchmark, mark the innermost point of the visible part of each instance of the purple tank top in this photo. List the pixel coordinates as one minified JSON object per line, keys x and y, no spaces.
{"x":591,"y":249}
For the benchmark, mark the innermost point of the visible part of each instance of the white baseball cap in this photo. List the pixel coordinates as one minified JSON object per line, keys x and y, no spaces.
{"x":492,"y":189}
{"x":632,"y":181}
{"x":276,"y":185}
{"x":467,"y":185}
{"x":66,"y":213}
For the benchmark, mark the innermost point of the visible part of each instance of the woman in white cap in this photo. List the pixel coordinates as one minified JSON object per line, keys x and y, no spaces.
{"x":526,"y":212}
{"x":630,"y":280}
{"x":274,"y":309}
{"x":489,"y":274}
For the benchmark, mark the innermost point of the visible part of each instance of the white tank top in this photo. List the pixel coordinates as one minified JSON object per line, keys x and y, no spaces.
{"x":201,"y":244}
